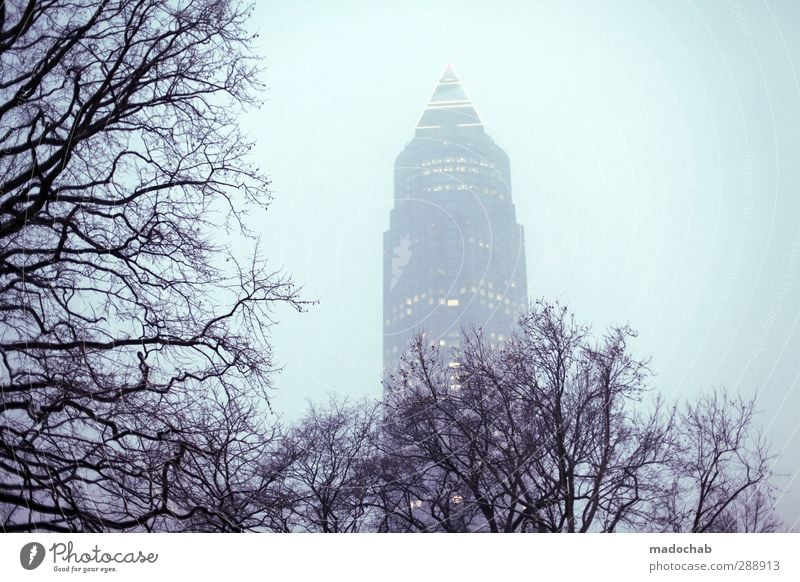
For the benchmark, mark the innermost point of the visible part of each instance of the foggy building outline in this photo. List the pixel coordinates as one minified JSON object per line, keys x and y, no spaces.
{"x":454,"y":254}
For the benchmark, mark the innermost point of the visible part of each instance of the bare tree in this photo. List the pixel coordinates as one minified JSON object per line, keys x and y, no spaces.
{"x":443,"y":438}
{"x":333,"y":453}
{"x":721,"y":474}
{"x":232,"y":475}
{"x":120,"y":163}
{"x":542,"y":434}
{"x":551,"y":432}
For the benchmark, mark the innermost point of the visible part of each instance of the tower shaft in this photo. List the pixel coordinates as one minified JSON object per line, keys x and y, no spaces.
{"x":454,"y":254}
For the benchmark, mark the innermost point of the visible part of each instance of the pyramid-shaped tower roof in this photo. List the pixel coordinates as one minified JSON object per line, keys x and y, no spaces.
{"x":449,"y":107}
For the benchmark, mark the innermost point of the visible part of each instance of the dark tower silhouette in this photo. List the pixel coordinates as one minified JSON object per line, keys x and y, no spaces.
{"x":454,"y":254}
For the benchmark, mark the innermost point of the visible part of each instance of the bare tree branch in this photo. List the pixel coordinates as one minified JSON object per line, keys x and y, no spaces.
{"x":134,"y":346}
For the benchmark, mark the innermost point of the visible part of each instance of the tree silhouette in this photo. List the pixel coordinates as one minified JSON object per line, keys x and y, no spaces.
{"x":121,"y":163}
{"x":721,"y":473}
{"x":333,"y":451}
{"x":552,"y":432}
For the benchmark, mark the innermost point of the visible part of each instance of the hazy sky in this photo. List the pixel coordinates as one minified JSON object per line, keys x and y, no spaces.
{"x":655,"y":157}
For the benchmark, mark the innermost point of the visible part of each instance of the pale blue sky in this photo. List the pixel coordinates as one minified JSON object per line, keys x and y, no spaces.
{"x":654,"y":151}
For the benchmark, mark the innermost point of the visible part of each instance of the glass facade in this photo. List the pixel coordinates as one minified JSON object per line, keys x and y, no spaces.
{"x":454,"y":255}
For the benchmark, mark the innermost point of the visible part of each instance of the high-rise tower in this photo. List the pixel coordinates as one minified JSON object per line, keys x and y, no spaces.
{"x":454,"y":254}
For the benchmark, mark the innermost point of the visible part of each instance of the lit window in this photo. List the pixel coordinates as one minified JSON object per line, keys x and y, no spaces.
{"x":416,"y":503}
{"x":442,"y":343}
{"x":408,"y":311}
{"x":452,"y":302}
{"x":453,"y":365}
{"x":457,"y":499}
{"x":408,"y":301}
{"x":455,"y":387}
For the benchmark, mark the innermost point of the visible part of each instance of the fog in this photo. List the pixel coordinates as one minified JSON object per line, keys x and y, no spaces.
{"x":654,"y":154}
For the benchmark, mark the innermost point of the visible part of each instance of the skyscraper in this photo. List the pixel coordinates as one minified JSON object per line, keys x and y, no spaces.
{"x":454,"y":254}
